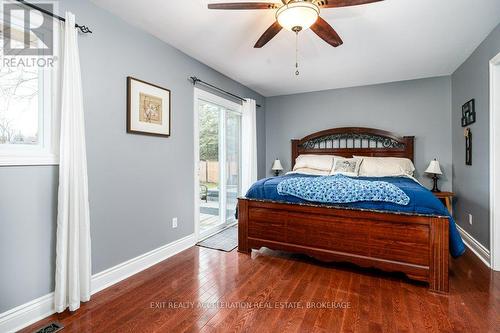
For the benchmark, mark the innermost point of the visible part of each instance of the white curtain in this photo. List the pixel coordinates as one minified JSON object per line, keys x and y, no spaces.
{"x":249,"y":145}
{"x":73,"y":268}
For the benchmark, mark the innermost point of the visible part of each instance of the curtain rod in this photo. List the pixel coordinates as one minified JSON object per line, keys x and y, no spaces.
{"x":84,"y":29}
{"x":195,"y":80}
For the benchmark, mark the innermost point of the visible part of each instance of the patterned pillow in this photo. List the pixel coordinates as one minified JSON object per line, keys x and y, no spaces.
{"x":346,"y":166}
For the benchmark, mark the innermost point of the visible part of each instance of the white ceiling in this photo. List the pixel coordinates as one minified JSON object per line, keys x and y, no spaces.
{"x":387,"y":41}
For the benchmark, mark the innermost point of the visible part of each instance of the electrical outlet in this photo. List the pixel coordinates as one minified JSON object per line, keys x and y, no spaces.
{"x":470,"y":219}
{"x":174,"y":222}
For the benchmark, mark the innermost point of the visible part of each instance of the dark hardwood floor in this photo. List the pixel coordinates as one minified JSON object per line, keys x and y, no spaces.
{"x":272,"y":292}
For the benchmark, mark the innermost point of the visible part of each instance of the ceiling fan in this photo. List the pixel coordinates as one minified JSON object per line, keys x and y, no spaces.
{"x":296,"y":15}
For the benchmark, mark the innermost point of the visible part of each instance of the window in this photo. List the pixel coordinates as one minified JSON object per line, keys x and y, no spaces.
{"x":28,"y":135}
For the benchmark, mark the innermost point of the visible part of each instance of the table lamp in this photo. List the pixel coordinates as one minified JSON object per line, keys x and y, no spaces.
{"x":434,"y":169}
{"x":277,"y":167}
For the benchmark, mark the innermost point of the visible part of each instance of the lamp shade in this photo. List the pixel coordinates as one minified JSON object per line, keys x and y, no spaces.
{"x":277,"y":165}
{"x":297,"y":15}
{"x":434,"y":168}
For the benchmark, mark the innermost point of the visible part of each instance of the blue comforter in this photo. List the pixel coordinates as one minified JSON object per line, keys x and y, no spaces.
{"x":422,"y":201}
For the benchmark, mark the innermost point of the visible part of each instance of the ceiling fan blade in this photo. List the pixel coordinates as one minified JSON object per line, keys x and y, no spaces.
{"x":243,"y":5}
{"x":343,"y":3}
{"x":326,"y":32}
{"x":268,"y":35}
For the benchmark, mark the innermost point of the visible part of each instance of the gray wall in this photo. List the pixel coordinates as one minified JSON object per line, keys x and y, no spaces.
{"x":419,"y":107}
{"x":471,"y":183}
{"x":136,"y":183}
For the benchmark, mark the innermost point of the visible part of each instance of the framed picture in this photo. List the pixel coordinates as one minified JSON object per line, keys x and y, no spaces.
{"x":468,"y":113}
{"x":148,"y":108}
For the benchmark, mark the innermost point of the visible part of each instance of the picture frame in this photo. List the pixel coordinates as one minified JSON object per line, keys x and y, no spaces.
{"x":468,"y":113}
{"x":148,"y":108}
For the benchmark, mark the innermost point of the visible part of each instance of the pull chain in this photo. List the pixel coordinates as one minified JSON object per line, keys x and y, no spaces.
{"x":297,"y":53}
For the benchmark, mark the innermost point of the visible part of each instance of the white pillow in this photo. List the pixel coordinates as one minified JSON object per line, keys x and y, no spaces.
{"x":318,"y":162}
{"x":385,"y":167}
{"x":346,"y":166}
{"x":308,"y":171}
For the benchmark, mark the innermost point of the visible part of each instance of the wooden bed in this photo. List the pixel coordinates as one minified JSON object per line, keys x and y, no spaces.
{"x":416,"y":245}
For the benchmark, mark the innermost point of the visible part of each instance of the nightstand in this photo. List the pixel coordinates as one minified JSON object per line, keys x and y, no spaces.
{"x":447,"y":198}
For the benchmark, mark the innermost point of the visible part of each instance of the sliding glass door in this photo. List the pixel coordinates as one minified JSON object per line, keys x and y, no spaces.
{"x":219,"y":161}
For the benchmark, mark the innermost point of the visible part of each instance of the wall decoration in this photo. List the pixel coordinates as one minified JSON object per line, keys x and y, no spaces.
{"x":148,"y":108}
{"x":468,"y":113}
{"x":468,"y":146}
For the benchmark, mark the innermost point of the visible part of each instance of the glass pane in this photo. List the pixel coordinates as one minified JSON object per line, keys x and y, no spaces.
{"x":19,"y":122}
{"x":19,"y":100}
{"x":233,"y":163}
{"x":209,"y":165}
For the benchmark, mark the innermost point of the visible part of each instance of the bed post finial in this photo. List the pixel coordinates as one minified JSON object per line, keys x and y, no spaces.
{"x":295,"y":152}
{"x":409,"y":146}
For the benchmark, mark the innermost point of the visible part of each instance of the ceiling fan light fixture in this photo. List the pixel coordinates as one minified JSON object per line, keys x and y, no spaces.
{"x":297,"y":15}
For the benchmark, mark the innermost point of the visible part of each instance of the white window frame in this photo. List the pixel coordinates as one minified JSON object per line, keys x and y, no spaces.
{"x":46,"y":152}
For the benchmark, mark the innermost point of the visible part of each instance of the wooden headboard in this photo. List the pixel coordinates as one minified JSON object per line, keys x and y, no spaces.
{"x":349,"y":141}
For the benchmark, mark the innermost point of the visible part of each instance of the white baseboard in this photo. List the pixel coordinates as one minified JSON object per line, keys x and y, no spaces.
{"x":27,"y":314}
{"x":104,"y":279}
{"x":477,"y":248}
{"x":33,"y":311}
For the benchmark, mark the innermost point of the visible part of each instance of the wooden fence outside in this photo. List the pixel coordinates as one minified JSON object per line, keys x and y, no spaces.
{"x":209,"y":171}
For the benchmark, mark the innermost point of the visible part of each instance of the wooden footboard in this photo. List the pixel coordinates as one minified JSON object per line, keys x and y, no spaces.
{"x":413,"y":244}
